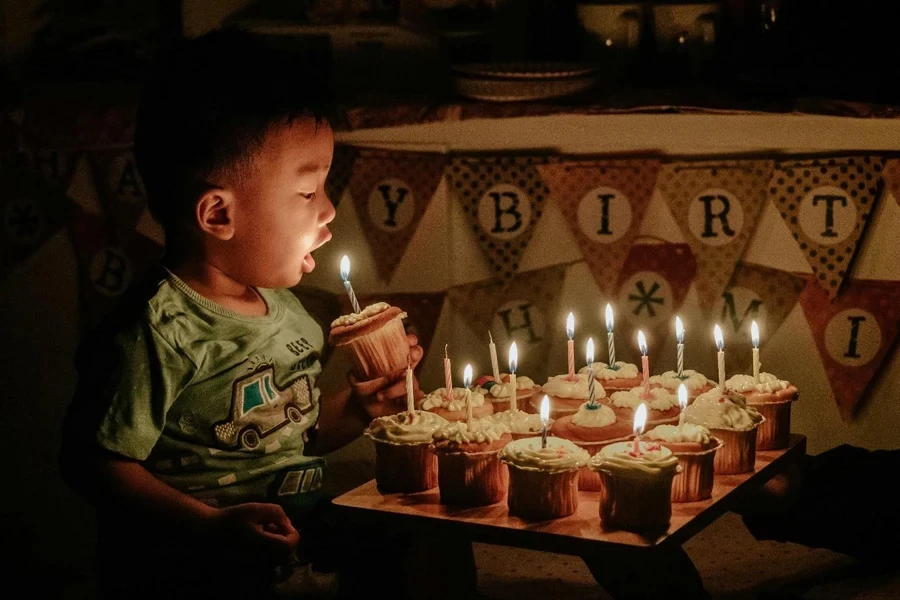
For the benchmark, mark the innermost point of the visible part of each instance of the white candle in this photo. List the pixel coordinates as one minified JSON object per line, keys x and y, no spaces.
{"x":679,"y":338}
{"x":610,"y":340}
{"x":448,"y":377}
{"x":570,"y":333}
{"x":545,"y":416}
{"x":345,"y":275}
{"x":682,"y":403}
{"x":590,"y":366}
{"x":467,"y":382}
{"x":754,"y":337}
{"x":410,"y":400}
{"x":645,"y":362}
{"x":494,"y":366}
{"x":720,"y":344}
{"x":513,"y":365}
{"x":640,"y":418}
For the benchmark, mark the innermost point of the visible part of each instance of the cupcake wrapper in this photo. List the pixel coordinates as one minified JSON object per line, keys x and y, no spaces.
{"x":695,"y":482}
{"x":542,"y":495}
{"x":738,"y":455}
{"x":589,"y":480}
{"x":638,"y":504}
{"x":379,"y":352}
{"x":775,"y":432}
{"x":500,"y":405}
{"x":405,"y":468}
{"x":471,"y":479}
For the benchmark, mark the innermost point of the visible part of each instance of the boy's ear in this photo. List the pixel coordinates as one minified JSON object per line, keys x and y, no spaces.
{"x":215,"y":214}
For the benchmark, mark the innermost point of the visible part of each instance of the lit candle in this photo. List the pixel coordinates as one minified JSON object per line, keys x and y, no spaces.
{"x":590,"y":366}
{"x":345,"y":275}
{"x":570,"y":333}
{"x":410,"y":401}
{"x":682,"y":402}
{"x":640,"y":418}
{"x":467,"y":382}
{"x":645,"y":362}
{"x":754,"y":337}
{"x":610,"y":340}
{"x":513,"y":365}
{"x":494,"y":365}
{"x":720,"y":344}
{"x":679,"y":337}
{"x":545,"y":416}
{"x":448,"y":377}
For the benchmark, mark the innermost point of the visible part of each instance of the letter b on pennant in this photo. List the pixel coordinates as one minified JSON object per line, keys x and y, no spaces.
{"x":110,"y":272}
{"x":504,"y":212}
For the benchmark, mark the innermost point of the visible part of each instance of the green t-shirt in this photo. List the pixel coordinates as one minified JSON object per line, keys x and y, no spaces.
{"x":214,"y":403}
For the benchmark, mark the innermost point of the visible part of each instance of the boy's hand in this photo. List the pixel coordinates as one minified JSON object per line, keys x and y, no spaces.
{"x":260,"y":528}
{"x":387,"y":395}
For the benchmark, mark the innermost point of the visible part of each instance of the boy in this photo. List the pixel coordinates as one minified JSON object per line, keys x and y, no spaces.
{"x":197,"y":427}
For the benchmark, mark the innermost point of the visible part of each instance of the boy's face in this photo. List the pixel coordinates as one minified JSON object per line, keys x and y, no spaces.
{"x":281,"y":210}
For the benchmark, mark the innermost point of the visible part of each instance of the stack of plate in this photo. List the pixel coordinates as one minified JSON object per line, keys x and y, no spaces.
{"x":512,"y":82}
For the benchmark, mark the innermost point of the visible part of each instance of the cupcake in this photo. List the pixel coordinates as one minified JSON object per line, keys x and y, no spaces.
{"x":623,"y":376}
{"x":637,"y":487}
{"x":728,"y":418}
{"x":567,"y":395}
{"x":662,"y":405}
{"x":374,"y":338}
{"x":498,"y":393}
{"x":469,"y":470}
{"x":695,"y":450}
{"x":772,"y":397}
{"x":454,"y":408}
{"x":404,"y":461}
{"x":591,"y":428}
{"x":520,"y":423}
{"x":696,"y":383}
{"x":543,"y":482}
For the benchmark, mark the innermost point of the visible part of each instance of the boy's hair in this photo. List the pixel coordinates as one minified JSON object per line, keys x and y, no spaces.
{"x":207,"y":110}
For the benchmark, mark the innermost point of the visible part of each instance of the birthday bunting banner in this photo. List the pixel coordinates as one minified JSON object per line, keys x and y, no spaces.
{"x":392,"y":192}
{"x":340,"y":173}
{"x":503,"y":199}
{"x":891,"y":177}
{"x":604,"y":203}
{"x":854,"y":334}
{"x":826,"y":204}
{"x":716,"y":205}
{"x":522,"y":311}
{"x":119,"y":189}
{"x":54,"y":167}
{"x":652,"y":286}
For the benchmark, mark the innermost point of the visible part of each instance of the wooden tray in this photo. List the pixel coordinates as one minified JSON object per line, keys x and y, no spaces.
{"x":570,"y":535}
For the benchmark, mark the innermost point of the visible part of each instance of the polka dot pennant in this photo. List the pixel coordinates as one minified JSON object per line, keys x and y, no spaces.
{"x":716,"y":205}
{"x":604,"y":203}
{"x":340,"y":172}
{"x":892,"y":177}
{"x":826,"y":203}
{"x":391,"y":192}
{"x":854,"y":334}
{"x":503,"y":198}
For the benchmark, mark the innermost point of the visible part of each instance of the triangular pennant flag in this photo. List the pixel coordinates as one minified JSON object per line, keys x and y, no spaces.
{"x":604,"y":204}
{"x":32,"y":213}
{"x":503,"y":198}
{"x":826,"y":203}
{"x":891,"y":177}
{"x":717,"y":205}
{"x":119,"y":188}
{"x":392,"y":192}
{"x":757,"y":293}
{"x":854,"y":334}
{"x":148,"y":227}
{"x":652,"y":286}
{"x":340,"y":172}
{"x":53,"y":167}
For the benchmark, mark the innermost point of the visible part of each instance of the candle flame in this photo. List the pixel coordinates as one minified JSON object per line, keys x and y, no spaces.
{"x":545,"y":409}
{"x":590,"y":351}
{"x":754,"y":334}
{"x":467,"y":376}
{"x":513,"y":357}
{"x":640,"y":419}
{"x":570,"y":326}
{"x":679,"y":330}
{"x":345,"y":268}
{"x":609,"y":318}
{"x":642,"y":343}
{"x":717,"y":334}
{"x":682,"y":396}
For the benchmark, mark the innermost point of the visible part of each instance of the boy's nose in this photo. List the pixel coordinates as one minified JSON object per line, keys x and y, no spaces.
{"x":328,"y":212}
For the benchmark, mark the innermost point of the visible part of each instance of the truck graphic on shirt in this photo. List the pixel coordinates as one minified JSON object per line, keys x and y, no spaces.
{"x":259,"y":408}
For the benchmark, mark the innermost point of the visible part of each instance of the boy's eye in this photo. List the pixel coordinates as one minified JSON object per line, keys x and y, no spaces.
{"x":309,"y":196}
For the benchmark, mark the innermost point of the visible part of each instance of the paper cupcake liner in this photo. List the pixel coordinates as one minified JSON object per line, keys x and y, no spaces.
{"x":588,"y":480}
{"x":530,"y":434}
{"x":775,"y":432}
{"x":541,"y":495}
{"x":738,"y":455}
{"x":695,"y":482}
{"x":639,"y":504}
{"x":471,"y":479}
{"x":405,"y":468}
{"x":379,"y":352}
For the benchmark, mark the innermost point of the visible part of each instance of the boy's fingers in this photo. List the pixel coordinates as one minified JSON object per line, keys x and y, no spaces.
{"x":412,"y":339}
{"x":395,"y":390}
{"x":415,"y":354}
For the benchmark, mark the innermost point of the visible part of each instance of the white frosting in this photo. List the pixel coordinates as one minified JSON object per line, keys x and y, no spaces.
{"x":559,"y":455}
{"x":406,"y":428}
{"x":660,"y":398}
{"x":623,"y":370}
{"x":768,"y":383}
{"x":715,"y":411}
{"x":670,"y":380}
{"x":598,"y":415}
{"x":675,"y":434}
{"x":620,"y":459}
{"x":484,"y":430}
{"x":436,"y":399}
{"x":369,"y":311}
{"x":562,"y":387}
{"x":519,"y":421}
{"x":502,"y":390}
